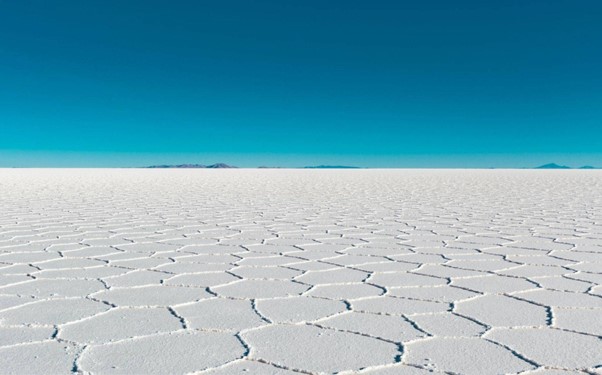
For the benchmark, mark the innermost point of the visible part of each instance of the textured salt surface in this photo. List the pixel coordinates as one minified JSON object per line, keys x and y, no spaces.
{"x":300,"y":271}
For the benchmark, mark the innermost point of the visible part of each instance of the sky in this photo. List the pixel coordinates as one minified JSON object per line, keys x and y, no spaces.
{"x":453,"y":84}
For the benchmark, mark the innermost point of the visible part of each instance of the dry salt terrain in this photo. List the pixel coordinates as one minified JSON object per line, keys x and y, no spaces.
{"x":300,"y":271}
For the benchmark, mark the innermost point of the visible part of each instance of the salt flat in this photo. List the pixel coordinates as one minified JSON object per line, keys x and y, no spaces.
{"x":300,"y":271}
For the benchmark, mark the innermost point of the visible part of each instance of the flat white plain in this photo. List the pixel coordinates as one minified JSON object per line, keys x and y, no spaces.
{"x":300,"y":271}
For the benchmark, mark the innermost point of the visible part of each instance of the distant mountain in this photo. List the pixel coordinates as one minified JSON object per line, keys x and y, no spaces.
{"x":178,"y":166}
{"x":552,"y":166}
{"x":331,"y":167}
{"x":184,"y":166}
{"x":220,"y":165}
{"x":587,"y":167}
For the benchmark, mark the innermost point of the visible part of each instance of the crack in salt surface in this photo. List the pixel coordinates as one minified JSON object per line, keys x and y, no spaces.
{"x":497,"y":234}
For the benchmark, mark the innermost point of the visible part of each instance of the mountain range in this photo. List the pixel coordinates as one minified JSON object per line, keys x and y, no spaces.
{"x":224,"y":166}
{"x":212,"y":166}
{"x":557,"y":166}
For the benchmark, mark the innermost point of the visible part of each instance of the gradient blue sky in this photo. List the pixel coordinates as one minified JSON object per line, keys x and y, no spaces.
{"x":508,"y":83}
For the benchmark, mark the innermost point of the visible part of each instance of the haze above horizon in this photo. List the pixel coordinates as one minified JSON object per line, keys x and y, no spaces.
{"x":250,"y":83}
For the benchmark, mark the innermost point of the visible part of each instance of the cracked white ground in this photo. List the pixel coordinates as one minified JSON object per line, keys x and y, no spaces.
{"x":310,"y":271}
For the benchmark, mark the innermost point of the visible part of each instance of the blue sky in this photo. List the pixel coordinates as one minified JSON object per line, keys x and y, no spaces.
{"x":294,"y":83}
